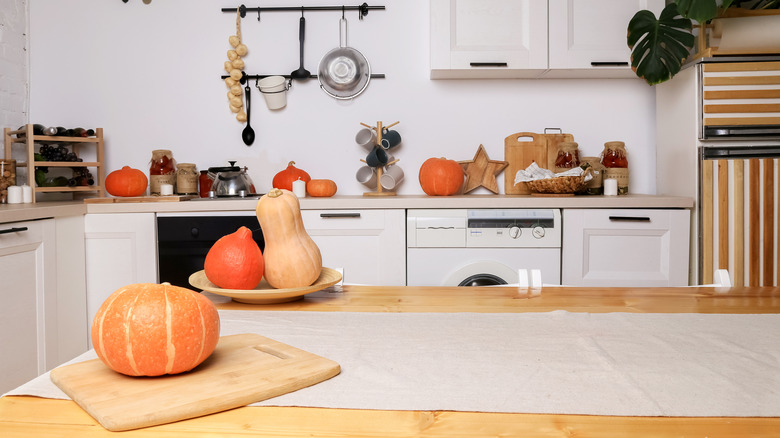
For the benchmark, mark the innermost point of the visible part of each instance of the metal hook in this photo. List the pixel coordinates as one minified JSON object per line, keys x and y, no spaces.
{"x":343,"y":8}
{"x":242,"y":11}
{"x":362,"y":11}
{"x":301,"y":11}
{"x":258,"y":13}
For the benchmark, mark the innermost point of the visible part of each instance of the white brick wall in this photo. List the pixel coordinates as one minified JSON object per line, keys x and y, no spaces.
{"x":14,"y":100}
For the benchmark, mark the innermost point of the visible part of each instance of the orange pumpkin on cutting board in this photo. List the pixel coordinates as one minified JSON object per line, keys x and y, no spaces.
{"x":285,"y":178}
{"x":126,"y":182}
{"x":149,"y":329}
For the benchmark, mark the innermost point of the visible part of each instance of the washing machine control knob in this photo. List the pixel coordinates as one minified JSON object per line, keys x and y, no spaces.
{"x":537,"y":232}
{"x":515,"y":232}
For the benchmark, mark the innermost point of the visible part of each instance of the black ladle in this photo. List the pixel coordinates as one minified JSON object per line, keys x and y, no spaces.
{"x":248,"y":134}
{"x":301,"y":73}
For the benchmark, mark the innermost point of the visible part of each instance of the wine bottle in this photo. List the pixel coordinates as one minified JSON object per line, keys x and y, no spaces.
{"x":39,"y":129}
{"x":62,"y":131}
{"x":79,"y":132}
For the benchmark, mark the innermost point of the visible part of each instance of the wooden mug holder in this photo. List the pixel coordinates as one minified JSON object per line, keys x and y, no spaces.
{"x":380,"y":191}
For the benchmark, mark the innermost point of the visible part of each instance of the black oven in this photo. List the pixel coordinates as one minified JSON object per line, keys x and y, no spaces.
{"x":183,"y":240}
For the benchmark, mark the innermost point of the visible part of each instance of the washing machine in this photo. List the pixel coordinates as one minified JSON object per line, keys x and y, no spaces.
{"x":481,"y":247}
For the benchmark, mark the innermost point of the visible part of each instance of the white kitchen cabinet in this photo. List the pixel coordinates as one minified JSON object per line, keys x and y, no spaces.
{"x":625,"y":247}
{"x":533,"y":38}
{"x":121,"y":249}
{"x":28,"y":316}
{"x":369,"y":245}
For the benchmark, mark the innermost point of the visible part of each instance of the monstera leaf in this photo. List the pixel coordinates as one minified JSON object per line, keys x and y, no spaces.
{"x":659,"y":46}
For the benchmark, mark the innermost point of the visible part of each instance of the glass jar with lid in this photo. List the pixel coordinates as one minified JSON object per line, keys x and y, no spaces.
{"x":568,"y":156}
{"x":186,"y":179}
{"x":162,"y":170}
{"x":615,"y":160}
{"x":7,"y":178}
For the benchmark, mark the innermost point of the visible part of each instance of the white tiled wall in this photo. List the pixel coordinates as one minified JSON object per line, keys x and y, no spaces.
{"x":13,"y":63}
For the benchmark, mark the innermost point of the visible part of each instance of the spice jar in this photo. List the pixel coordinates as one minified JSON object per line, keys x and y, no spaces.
{"x":7,"y":178}
{"x":162,"y":170}
{"x":568,"y":156}
{"x":186,"y":179}
{"x":615,"y":160}
{"x":205,"y":183}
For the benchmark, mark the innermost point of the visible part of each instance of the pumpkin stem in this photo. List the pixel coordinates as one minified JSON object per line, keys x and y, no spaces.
{"x":291,"y":163}
{"x":274,"y":193}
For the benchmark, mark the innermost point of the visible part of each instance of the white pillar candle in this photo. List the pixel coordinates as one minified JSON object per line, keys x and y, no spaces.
{"x":166,"y":189}
{"x":610,"y":187}
{"x":14,"y":195}
{"x":299,"y":188}
{"x":27,"y":195}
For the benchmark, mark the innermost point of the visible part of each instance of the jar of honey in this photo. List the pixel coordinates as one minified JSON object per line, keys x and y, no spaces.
{"x":162,"y":170}
{"x":568,"y":156}
{"x":615,"y":161}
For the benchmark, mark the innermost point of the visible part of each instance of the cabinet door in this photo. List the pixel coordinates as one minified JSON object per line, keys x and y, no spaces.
{"x":625,"y":247}
{"x":591,"y":34}
{"x":28,"y":335}
{"x":121,"y":249}
{"x":488,"y":38}
{"x":369,"y":245}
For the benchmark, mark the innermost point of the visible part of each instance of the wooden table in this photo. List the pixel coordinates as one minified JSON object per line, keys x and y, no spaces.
{"x":35,"y":417}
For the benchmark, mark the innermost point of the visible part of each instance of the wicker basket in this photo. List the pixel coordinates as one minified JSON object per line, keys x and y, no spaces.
{"x":559,"y":185}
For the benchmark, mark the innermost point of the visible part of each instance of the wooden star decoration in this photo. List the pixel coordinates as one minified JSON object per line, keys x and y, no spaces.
{"x":482,"y":171}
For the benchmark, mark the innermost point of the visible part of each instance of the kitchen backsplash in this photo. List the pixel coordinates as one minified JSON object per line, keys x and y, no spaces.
{"x":150,"y":76}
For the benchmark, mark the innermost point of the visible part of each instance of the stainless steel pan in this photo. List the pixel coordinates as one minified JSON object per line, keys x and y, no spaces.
{"x":344,"y":72}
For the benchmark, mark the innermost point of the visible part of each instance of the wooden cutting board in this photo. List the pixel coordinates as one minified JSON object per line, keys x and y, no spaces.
{"x":243,"y":369}
{"x":172,"y":198}
{"x":520,"y":150}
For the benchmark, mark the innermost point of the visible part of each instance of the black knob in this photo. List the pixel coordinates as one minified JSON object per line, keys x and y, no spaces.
{"x":194,"y":231}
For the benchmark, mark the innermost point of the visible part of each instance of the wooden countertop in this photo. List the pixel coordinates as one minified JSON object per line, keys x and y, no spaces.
{"x":40,"y":210}
{"x":34,"y":417}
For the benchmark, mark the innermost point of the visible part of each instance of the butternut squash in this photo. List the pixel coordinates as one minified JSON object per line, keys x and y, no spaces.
{"x":292,"y":259}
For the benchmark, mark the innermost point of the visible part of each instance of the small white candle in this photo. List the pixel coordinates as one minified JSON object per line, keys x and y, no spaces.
{"x":610,"y":187}
{"x":14,"y":195}
{"x":299,"y":188}
{"x":27,"y":194}
{"x":166,"y":189}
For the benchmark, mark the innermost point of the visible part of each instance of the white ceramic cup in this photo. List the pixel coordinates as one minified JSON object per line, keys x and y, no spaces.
{"x":274,"y":91}
{"x":366,"y":175}
{"x":366,"y":137}
{"x":392,"y":176}
{"x":610,"y":187}
{"x":14,"y":195}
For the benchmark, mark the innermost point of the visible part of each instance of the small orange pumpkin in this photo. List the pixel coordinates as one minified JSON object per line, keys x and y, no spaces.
{"x":321,"y":187}
{"x":126,"y":182}
{"x":152,"y":329}
{"x":441,"y":177}
{"x":285,"y":178}
{"x":235,"y":261}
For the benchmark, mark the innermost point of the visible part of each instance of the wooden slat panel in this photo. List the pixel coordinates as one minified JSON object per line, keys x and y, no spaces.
{"x":723,"y":214}
{"x":706,"y":221}
{"x":741,"y":80}
{"x":741,"y":66}
{"x":743,"y":108}
{"x":754,"y":222}
{"x":741,"y":94}
{"x":768,"y":245}
{"x":741,"y":121}
{"x":739,"y":223}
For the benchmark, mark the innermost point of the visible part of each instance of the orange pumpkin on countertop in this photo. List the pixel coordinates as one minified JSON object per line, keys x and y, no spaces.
{"x":235,"y":261}
{"x":321,"y":187}
{"x":126,"y":182}
{"x":441,"y":177}
{"x":292,"y":259}
{"x":285,"y":178}
{"x":149,"y":329}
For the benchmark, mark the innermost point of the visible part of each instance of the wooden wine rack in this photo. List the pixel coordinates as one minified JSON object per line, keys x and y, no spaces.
{"x":26,"y":137}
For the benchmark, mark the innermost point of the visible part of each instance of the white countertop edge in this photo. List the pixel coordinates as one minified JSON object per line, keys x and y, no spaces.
{"x":23,"y":212}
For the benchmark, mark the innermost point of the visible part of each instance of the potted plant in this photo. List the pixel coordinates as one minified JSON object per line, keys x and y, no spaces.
{"x":660,"y":46}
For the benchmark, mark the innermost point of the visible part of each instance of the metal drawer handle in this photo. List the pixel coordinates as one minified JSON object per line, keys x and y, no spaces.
{"x":488,"y":64}
{"x":629,"y":218}
{"x":609,"y":64}
{"x":338,"y":215}
{"x":13,"y":230}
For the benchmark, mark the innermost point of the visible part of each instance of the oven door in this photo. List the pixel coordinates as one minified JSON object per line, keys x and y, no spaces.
{"x":183,"y":240}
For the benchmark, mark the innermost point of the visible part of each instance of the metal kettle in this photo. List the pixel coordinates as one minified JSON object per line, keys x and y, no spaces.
{"x":230,"y":181}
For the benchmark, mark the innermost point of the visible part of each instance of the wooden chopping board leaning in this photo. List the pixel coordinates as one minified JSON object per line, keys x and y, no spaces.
{"x":523,"y":148}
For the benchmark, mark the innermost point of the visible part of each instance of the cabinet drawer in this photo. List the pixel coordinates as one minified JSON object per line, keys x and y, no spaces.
{"x":341,"y":220}
{"x":16,"y":234}
{"x":625,"y":247}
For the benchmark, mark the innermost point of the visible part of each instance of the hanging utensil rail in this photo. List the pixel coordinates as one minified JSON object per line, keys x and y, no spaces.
{"x":362,"y":9}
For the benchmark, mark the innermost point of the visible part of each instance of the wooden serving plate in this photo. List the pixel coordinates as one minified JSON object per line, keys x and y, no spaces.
{"x":264,"y":293}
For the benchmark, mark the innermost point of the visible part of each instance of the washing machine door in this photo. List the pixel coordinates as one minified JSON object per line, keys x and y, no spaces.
{"x":482,"y":273}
